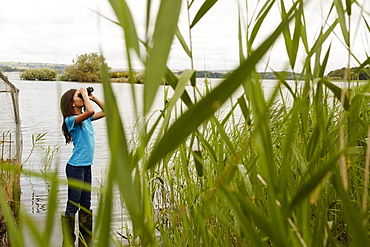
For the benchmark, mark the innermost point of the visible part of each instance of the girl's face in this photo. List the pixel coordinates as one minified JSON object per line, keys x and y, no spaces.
{"x":77,"y":101}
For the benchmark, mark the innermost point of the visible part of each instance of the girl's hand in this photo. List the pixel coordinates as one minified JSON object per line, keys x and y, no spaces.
{"x":83,"y":91}
{"x":92,"y":97}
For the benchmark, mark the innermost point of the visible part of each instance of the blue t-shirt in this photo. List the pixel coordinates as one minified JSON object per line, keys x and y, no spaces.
{"x":83,"y":141}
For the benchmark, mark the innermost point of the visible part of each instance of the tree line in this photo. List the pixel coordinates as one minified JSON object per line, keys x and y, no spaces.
{"x":86,"y":68}
{"x":355,"y":74}
{"x":7,"y":68}
{"x":43,"y":74}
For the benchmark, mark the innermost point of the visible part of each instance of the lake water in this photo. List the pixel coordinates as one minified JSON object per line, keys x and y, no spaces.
{"x":39,"y":110}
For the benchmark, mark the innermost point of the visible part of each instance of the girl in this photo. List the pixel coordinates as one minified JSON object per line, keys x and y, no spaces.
{"x":78,"y":112}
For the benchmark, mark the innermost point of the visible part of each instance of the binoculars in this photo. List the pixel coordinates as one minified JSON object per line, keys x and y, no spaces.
{"x":89,"y":91}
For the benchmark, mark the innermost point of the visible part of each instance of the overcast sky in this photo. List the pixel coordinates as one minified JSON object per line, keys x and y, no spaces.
{"x":56,"y":31}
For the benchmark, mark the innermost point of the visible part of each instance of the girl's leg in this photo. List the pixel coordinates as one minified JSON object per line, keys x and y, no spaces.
{"x":86,"y":190}
{"x":85,"y":218}
{"x":74,"y":193}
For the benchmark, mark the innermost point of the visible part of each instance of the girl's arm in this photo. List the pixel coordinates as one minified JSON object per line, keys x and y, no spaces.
{"x":89,"y":108}
{"x":101,"y":104}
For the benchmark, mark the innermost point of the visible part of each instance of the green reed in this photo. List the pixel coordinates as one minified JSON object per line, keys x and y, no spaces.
{"x":292,"y":171}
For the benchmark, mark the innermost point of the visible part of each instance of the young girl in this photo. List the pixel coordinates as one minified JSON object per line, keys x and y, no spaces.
{"x":78,"y":112}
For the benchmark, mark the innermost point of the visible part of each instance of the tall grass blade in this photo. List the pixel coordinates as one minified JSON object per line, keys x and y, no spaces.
{"x":289,"y":151}
{"x":126,"y":21}
{"x":35,"y":229}
{"x":155,"y":67}
{"x":360,"y":234}
{"x":191,"y":119}
{"x":52,"y":206}
{"x":356,"y":126}
{"x":172,"y":80}
{"x":197,"y":155}
{"x":183,"y":43}
{"x":322,"y":38}
{"x":207,"y":146}
{"x":297,"y":35}
{"x":121,"y":163}
{"x":342,"y":20}
{"x":362,"y":65}
{"x":292,"y":43}
{"x":207,"y":5}
{"x":245,"y":110}
{"x":224,"y":136}
{"x":308,"y":187}
{"x":105,"y":211}
{"x":179,"y":91}
{"x":365,"y":195}
{"x":244,"y":210}
{"x":240,"y":38}
{"x":12,"y":229}
{"x":260,"y":19}
{"x":324,"y":63}
{"x":281,"y":77}
{"x":337,"y":91}
{"x":349,"y":7}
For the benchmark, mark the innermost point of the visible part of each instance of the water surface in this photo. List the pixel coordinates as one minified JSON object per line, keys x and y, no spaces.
{"x":39,"y":110}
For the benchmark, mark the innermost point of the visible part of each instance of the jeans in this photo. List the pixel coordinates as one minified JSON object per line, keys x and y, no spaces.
{"x":79,"y":195}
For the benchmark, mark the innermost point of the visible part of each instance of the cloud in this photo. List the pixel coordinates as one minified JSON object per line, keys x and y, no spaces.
{"x":48,"y":31}
{"x":59,"y":30}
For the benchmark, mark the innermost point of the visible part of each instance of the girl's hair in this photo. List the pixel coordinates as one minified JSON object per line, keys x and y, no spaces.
{"x":67,"y":111}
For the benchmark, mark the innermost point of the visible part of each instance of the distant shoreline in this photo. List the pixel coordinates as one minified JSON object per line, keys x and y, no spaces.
{"x":7,"y":67}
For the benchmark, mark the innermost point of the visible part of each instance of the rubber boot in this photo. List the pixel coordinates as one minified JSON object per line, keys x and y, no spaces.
{"x":85,"y":227}
{"x":68,"y":229}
